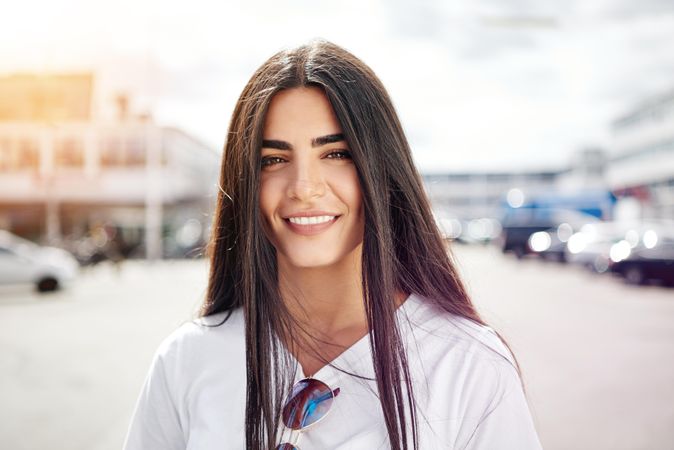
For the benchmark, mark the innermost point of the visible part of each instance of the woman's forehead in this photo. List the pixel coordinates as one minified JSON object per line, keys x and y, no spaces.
{"x":300,"y":113}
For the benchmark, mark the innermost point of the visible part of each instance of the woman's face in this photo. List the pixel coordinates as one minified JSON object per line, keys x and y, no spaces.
{"x":310,"y":195}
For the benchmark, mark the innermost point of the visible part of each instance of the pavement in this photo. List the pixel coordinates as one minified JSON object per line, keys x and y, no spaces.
{"x":597,"y":356}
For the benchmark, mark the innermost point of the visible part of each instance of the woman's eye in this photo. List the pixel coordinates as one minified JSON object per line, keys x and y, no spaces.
{"x":271,"y":160}
{"x":339,"y":154}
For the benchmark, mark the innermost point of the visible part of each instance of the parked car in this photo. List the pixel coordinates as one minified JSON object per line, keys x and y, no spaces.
{"x":551,"y":244}
{"x":639,"y":265}
{"x":592,"y":245}
{"x":520,"y":224}
{"x":450,"y":227}
{"x":24,"y":262}
{"x":548,"y":245}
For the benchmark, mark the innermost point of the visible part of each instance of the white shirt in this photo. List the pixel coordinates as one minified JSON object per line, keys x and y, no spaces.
{"x":467,"y":388}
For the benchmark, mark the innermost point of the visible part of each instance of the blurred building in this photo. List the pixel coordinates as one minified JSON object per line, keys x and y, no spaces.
{"x":67,"y":179}
{"x":467,"y":195}
{"x":477,"y":206}
{"x":637,"y":169}
{"x":586,"y":171}
{"x":56,"y":98}
{"x":641,"y":167}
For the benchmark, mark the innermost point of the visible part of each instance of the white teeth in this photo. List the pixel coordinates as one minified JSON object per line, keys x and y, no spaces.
{"x":310,"y":220}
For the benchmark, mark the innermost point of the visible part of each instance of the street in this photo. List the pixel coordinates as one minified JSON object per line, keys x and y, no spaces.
{"x":597,"y":356}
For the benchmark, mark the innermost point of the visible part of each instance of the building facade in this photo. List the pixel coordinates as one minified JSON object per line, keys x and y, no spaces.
{"x":127,"y":187}
{"x":60,"y":181}
{"x":641,"y":168}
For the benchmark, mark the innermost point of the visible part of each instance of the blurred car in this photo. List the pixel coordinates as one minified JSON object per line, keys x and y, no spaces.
{"x":548,"y":245}
{"x":24,"y":262}
{"x":480,"y":230}
{"x":551,"y":243}
{"x":450,"y":227}
{"x":521,"y":224}
{"x":591,"y":246}
{"x":643,"y":264}
{"x":105,"y":242}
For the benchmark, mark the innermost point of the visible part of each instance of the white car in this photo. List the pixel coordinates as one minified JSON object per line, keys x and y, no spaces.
{"x":22,"y":261}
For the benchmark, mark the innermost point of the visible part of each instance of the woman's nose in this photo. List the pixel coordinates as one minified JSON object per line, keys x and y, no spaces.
{"x":307,"y":182}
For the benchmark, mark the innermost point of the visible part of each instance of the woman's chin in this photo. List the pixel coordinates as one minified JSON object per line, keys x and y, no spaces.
{"x":315,"y":257}
{"x":311,"y":262}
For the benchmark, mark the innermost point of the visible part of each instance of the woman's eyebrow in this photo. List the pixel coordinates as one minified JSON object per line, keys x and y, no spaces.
{"x":315,"y":142}
{"x":278,"y":145}
{"x":327,"y":139}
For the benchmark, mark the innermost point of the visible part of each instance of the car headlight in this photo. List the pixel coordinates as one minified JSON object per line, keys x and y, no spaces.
{"x":577,"y":243}
{"x":540,"y":241}
{"x":620,"y":251}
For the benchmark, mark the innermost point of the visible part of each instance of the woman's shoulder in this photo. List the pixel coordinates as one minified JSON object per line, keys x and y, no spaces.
{"x":444,"y":332}
{"x":467,"y":381}
{"x":204,"y":337}
{"x":463,"y":360}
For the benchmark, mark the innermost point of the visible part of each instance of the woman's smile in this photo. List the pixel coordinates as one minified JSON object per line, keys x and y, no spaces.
{"x":309,"y":225}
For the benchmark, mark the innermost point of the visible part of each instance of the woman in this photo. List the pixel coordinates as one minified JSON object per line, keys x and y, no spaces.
{"x":334,"y":317}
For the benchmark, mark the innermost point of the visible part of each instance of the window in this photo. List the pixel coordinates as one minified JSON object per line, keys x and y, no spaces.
{"x":123,"y":150}
{"x":6,"y":252}
{"x":5,"y":154}
{"x":28,"y":153}
{"x":69,"y":152}
{"x":111,"y":151}
{"x":135,"y":151}
{"x":18,"y":153}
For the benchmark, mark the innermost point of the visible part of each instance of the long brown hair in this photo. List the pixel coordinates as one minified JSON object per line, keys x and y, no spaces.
{"x":402,"y":248}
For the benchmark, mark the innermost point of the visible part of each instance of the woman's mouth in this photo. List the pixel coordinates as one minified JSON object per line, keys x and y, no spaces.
{"x":310,"y":225}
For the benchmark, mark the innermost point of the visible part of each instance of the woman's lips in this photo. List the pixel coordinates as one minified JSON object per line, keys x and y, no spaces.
{"x":310,"y":229}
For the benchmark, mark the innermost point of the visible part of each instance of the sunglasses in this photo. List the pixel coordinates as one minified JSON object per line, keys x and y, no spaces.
{"x":308,"y":403}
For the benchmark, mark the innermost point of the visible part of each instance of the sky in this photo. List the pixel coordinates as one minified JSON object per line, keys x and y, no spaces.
{"x":480,"y":85}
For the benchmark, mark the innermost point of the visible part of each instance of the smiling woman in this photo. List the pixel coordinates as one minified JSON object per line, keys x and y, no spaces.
{"x":334,"y":314}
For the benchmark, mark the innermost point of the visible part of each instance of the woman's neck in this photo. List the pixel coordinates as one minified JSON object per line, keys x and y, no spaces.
{"x":327,"y":302}
{"x":327,"y":299}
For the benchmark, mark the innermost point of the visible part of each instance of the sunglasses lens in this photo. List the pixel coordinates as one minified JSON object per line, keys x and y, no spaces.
{"x":286,"y":447}
{"x":309,"y":401}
